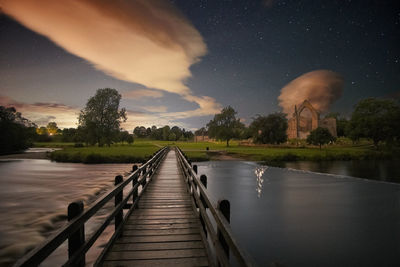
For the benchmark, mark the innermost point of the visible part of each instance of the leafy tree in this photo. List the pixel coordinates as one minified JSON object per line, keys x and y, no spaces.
{"x":225,"y":125}
{"x":172,"y":137}
{"x":177,"y":131}
{"x":52,"y":128}
{"x":376,"y":119}
{"x":42,"y":131}
{"x":130,"y":139}
{"x":165,"y":133}
{"x":101,"y":118}
{"x":269,"y":129}
{"x":320,"y":136}
{"x":342,"y":124}
{"x":124,"y":136}
{"x":140,"y":131}
{"x":16,"y":132}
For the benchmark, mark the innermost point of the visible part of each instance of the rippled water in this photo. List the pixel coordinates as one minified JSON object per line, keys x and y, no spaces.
{"x":300,"y":218}
{"x":34,"y":195}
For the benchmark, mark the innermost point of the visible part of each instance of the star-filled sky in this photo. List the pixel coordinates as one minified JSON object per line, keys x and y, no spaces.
{"x":179,"y":62}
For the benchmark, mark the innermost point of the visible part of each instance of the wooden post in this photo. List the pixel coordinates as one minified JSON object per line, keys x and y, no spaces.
{"x":225,"y":207}
{"x":118,"y":199}
{"x":195,"y":168}
{"x":134,"y":182}
{"x":203,"y":180}
{"x":76,"y":239}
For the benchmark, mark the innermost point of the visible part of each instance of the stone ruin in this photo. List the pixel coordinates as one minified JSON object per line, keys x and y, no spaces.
{"x":300,"y":126}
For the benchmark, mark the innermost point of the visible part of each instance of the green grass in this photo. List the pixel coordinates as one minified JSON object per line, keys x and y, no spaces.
{"x":135,"y":153}
{"x":142,"y":149}
{"x":53,"y":144}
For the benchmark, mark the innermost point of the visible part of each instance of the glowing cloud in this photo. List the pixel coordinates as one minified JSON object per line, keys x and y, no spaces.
{"x":43,"y":113}
{"x":141,"y":41}
{"x":142,"y":93}
{"x":320,"y":87}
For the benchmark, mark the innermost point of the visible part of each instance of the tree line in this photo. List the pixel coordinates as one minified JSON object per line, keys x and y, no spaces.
{"x":372,"y":118}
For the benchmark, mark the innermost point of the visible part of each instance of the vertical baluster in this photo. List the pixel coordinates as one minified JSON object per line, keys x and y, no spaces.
{"x":118,"y":199}
{"x":203,"y":180}
{"x":76,"y":239}
{"x":225,"y":207}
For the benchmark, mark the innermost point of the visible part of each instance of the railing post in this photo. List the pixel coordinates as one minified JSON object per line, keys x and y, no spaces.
{"x":118,"y":200}
{"x":195,"y":168}
{"x":134,"y":182}
{"x":203,"y":180}
{"x":76,"y":239}
{"x":225,"y":207}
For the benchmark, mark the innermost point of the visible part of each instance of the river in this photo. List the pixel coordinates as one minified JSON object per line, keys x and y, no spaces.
{"x":34,"y":195}
{"x":297,"y":218}
{"x":301,"y":218}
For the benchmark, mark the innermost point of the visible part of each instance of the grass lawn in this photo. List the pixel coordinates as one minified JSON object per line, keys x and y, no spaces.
{"x":142,"y":149}
{"x":119,"y":153}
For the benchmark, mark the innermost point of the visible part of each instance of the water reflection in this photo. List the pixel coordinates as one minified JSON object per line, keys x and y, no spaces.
{"x":259,"y":172}
{"x":308,"y":219}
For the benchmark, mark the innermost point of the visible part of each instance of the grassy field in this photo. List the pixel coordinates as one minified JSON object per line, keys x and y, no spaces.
{"x":119,"y":153}
{"x":142,"y":149}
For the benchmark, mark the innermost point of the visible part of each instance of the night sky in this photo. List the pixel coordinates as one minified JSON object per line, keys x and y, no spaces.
{"x":253,"y":50}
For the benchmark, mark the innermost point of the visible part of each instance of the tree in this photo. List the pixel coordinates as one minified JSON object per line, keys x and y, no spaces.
{"x":16,"y":132}
{"x":130,"y":139}
{"x":376,"y":119}
{"x":165,"y":133}
{"x":269,"y":129}
{"x":52,"y":128}
{"x":225,"y":125}
{"x":320,"y":136}
{"x":341,"y":123}
{"x":124,"y":136}
{"x":101,"y":118}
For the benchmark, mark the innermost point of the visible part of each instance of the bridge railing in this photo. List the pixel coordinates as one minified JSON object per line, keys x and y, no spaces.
{"x":77,"y":217}
{"x":222,"y":238}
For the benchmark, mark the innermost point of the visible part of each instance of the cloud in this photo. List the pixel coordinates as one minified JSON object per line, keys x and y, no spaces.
{"x":157,"y":109}
{"x":142,"y":93}
{"x":43,"y":113}
{"x":141,"y":41}
{"x":320,"y":87}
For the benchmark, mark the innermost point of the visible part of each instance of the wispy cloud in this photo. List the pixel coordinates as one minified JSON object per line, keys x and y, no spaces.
{"x":320,"y":87}
{"x":155,"y":109}
{"x":141,"y":41}
{"x":142,"y":93}
{"x":43,"y":113}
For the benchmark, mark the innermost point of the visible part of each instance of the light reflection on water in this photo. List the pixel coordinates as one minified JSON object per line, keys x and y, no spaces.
{"x":309,"y":219}
{"x":34,"y":195}
{"x":259,"y":172}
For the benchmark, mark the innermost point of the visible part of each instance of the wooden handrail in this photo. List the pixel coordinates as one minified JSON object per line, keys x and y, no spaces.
{"x":222,"y":238}
{"x":78,"y":219}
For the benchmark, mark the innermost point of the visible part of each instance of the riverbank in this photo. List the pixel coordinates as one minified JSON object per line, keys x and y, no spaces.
{"x":141,"y":151}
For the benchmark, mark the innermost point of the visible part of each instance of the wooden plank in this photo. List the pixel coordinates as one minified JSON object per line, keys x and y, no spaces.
{"x":156,"y":254}
{"x":160,"y":238}
{"x":158,"y":246}
{"x":199,"y":261}
{"x":152,"y":232}
{"x":164,"y":230}
{"x":163,"y":221}
{"x":161,"y":226}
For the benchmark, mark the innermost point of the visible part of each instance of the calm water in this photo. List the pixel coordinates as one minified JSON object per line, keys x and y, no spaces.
{"x":382,"y":170}
{"x":299,"y":218}
{"x":34,"y":195}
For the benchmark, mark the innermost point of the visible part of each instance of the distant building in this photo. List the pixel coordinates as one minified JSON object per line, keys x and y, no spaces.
{"x":203,"y":138}
{"x":300,"y":126}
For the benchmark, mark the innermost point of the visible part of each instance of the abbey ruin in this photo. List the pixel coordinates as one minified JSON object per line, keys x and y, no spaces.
{"x":300,"y":126}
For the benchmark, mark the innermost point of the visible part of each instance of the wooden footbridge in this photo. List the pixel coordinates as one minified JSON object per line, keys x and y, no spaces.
{"x":162,"y":216}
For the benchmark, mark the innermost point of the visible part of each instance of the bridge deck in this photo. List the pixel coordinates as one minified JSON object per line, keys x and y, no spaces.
{"x":164,"y":231}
